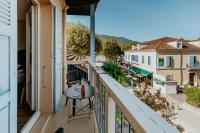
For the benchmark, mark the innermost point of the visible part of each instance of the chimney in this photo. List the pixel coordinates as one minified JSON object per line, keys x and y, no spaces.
{"x":138,"y":46}
{"x":180,"y":43}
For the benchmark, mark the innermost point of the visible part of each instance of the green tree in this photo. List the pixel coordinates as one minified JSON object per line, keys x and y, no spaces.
{"x":78,"y":39}
{"x":126,"y":46}
{"x":111,"y":49}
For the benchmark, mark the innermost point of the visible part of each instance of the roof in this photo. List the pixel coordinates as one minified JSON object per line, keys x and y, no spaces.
{"x":80,"y":7}
{"x":129,"y":49}
{"x":162,"y":44}
{"x":159,"y":43}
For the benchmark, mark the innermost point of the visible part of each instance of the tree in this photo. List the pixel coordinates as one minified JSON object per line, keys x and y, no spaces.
{"x":158,"y":104}
{"x":78,"y":39}
{"x":126,"y":46}
{"x":111,"y":49}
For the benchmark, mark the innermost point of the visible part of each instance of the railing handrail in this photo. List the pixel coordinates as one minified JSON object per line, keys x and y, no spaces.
{"x":191,"y":65}
{"x":140,"y":116}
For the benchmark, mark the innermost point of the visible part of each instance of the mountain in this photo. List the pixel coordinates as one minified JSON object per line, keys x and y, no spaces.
{"x":119,"y":39}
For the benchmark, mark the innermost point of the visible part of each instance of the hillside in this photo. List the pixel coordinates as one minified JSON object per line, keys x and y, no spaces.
{"x":119,"y":39}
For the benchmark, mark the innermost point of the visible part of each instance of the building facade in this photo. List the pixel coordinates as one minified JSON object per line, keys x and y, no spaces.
{"x":171,"y":61}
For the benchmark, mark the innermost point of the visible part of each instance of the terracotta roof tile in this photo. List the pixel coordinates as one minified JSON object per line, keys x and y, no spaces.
{"x":162,"y":44}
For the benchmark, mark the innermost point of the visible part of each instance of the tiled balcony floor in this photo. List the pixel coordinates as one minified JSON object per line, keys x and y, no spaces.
{"x":60,"y":119}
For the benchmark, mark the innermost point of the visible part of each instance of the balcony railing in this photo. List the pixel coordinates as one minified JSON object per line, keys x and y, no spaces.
{"x":119,"y":111}
{"x":193,"y":66}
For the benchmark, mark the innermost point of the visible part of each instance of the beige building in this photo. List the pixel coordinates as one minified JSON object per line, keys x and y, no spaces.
{"x":171,"y":61}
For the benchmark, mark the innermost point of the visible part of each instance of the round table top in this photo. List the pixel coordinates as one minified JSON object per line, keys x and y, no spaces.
{"x":74,"y":92}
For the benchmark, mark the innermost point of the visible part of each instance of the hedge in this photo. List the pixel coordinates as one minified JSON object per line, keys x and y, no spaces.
{"x":193,"y":96}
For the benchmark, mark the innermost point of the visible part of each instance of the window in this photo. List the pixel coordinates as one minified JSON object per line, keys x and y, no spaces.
{"x":169,"y":61}
{"x":161,"y":62}
{"x":192,"y":60}
{"x":134,"y":58}
{"x":143,"y":59}
{"x":149,"y":60}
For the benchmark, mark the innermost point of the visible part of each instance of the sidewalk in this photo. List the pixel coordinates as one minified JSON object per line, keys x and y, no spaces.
{"x":185,"y":117}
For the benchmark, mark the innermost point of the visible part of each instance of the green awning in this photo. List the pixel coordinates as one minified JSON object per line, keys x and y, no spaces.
{"x":141,"y":71}
{"x":138,"y":75}
{"x":130,"y":71}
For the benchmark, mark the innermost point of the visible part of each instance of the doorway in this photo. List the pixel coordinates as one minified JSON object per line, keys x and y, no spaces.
{"x":191,"y":78}
{"x":27,"y":63}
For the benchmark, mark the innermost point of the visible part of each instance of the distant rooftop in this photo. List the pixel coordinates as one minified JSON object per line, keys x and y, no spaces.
{"x":163,"y":44}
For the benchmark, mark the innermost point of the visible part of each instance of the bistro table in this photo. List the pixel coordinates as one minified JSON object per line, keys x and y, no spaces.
{"x":74,"y":93}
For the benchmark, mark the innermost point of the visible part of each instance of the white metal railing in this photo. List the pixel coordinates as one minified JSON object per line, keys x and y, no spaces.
{"x":135,"y":115}
{"x":193,"y":66}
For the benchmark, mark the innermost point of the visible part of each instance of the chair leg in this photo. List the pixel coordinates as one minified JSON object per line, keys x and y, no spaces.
{"x":22,"y":96}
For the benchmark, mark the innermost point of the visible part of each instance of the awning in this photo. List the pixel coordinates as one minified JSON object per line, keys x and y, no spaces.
{"x":138,"y":75}
{"x":141,"y":71}
{"x":158,"y":81}
{"x":130,"y":71}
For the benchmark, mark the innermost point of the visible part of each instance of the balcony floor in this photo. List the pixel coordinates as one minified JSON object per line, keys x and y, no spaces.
{"x":60,"y":119}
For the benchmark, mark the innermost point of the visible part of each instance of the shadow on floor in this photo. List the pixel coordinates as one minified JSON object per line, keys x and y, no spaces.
{"x":60,"y":120}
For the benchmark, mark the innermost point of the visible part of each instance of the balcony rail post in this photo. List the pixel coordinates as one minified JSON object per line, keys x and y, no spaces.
{"x":111,"y":115}
{"x":92,"y":33}
{"x":90,"y":75}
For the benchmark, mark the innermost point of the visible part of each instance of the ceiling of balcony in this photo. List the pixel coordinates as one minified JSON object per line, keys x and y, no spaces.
{"x":80,"y":7}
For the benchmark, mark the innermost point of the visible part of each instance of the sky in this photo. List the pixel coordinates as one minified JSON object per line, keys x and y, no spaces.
{"x":144,"y":20}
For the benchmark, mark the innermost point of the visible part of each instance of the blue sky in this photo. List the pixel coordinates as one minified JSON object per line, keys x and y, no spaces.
{"x":143,"y":20}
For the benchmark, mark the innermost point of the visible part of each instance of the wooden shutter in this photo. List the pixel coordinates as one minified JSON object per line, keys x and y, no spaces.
{"x":8,"y":66}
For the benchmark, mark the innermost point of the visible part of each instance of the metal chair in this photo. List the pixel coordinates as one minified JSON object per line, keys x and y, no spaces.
{"x":73,"y":77}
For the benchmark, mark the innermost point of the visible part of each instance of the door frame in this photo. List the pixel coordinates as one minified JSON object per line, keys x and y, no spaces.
{"x":191,"y":75}
{"x":35,"y":62}
{"x":55,"y":11}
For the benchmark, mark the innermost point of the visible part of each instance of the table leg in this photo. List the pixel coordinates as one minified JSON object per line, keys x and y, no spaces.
{"x":66,"y":100}
{"x":74,"y":107}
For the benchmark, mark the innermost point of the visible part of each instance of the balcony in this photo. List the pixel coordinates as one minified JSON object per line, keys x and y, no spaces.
{"x":169,"y":78}
{"x":116,"y":110}
{"x":193,"y":66}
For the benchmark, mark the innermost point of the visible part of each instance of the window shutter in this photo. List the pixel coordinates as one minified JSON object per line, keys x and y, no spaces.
{"x":5,"y":12}
{"x":8,"y":66}
{"x":194,"y":59}
{"x":171,"y":61}
{"x":191,"y":60}
{"x":149,"y":60}
{"x":168,"y":61}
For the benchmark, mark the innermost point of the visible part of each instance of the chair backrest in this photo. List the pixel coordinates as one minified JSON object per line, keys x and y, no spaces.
{"x":74,"y":76}
{"x":60,"y":130}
